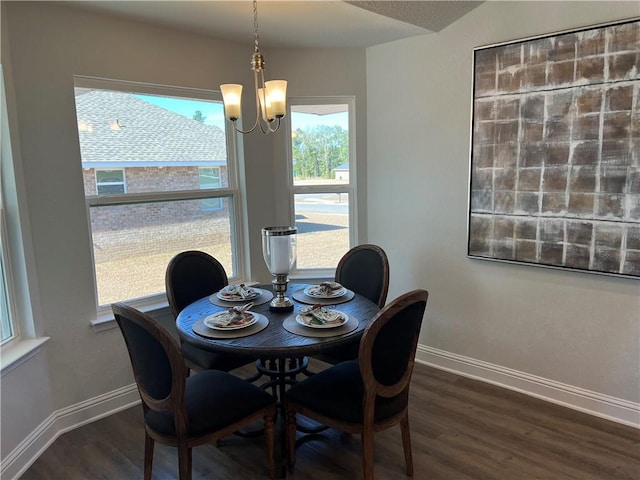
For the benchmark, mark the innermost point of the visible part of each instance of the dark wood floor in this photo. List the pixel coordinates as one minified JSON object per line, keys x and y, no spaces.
{"x":461,"y":430}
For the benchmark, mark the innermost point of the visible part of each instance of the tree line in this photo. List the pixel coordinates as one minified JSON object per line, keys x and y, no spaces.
{"x":318,"y":150}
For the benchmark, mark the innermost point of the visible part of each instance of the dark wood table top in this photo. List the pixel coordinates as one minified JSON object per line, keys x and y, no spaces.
{"x":274,"y":341}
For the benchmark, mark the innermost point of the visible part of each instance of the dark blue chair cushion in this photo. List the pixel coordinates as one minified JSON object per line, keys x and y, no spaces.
{"x":362,"y":272}
{"x":194,"y":277}
{"x":393,"y":346}
{"x":213,"y":400}
{"x":338,"y":391}
{"x":149,"y":359}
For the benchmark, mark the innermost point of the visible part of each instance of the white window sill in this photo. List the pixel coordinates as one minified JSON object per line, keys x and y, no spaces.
{"x":106,"y":321}
{"x":19,"y":352}
{"x":103,"y":322}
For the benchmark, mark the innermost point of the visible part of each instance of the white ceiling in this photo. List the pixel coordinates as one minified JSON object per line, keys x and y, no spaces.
{"x":301,"y":23}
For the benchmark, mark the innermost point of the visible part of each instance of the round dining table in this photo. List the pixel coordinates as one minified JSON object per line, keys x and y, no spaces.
{"x":277,"y":339}
{"x":281,"y":344}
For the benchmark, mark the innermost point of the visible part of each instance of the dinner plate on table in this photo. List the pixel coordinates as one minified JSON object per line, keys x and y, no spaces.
{"x":310,"y":321}
{"x":316,"y":291}
{"x":227,"y":294}
{"x":248,"y":319}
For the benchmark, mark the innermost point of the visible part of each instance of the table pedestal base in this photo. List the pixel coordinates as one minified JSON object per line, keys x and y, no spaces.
{"x":281,"y":372}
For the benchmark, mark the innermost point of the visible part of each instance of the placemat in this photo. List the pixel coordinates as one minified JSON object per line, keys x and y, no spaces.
{"x":201,"y":329}
{"x":292,"y":326}
{"x":300,"y":296}
{"x":265,"y":296}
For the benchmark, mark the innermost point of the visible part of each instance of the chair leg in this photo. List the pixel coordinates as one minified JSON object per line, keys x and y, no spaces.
{"x":367,"y":453}
{"x":269,"y":436}
{"x":406,"y":444}
{"x":291,"y":438}
{"x":148,"y":455}
{"x":184,"y":462}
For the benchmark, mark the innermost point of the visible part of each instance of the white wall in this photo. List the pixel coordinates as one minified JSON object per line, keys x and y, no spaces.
{"x":581,"y":330}
{"x":49,"y":44}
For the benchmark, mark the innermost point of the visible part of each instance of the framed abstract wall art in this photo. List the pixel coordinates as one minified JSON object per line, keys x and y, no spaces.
{"x":555,"y":151}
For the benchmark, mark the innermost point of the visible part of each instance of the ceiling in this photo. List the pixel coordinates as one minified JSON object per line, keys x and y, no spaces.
{"x":300,"y":23}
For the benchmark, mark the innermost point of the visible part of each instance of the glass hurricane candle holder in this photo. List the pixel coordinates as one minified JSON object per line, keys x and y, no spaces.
{"x":279,"y":252}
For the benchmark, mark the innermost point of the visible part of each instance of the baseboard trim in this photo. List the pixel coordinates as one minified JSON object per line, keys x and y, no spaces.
{"x":604,"y":406}
{"x":64,"y":420}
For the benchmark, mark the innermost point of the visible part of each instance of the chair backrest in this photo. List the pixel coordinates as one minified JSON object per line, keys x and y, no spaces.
{"x":190,"y":276}
{"x":157,"y":363}
{"x":365,"y":270}
{"x":388,"y":348}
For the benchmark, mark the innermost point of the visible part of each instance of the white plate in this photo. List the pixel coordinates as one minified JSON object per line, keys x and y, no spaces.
{"x":209,"y":322}
{"x":335,"y":294}
{"x":304,"y":319}
{"x":228,"y":298}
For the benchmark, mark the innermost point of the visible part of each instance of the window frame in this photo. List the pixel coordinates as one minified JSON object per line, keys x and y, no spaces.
{"x":7,"y":300}
{"x":349,"y":188}
{"x":26,"y":341}
{"x":231,"y":192}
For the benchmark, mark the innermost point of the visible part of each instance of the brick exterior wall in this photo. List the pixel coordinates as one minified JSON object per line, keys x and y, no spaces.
{"x":129,"y":231}
{"x":152,"y":179}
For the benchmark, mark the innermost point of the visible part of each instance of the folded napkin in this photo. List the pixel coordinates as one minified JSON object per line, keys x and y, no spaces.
{"x":239,"y":292}
{"x":318,"y":315}
{"x":325,"y":288}
{"x":234,"y":317}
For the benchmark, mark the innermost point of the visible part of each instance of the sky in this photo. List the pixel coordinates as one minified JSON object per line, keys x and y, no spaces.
{"x":214,"y":112}
{"x":305,"y":120}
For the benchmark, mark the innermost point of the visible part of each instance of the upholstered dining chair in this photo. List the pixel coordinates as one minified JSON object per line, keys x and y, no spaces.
{"x":369,"y":394}
{"x":191,"y":275}
{"x":186,"y":411}
{"x":364,"y":270}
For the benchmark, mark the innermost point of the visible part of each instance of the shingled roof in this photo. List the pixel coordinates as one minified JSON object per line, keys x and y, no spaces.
{"x":148,"y":134}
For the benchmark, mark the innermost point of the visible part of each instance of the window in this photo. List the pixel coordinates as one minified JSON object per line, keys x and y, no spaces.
{"x":322,"y":180}
{"x":110,"y":182}
{"x":6,"y":324}
{"x":210,"y":178}
{"x":18,"y":338}
{"x":159,"y":178}
{"x":8,"y":328}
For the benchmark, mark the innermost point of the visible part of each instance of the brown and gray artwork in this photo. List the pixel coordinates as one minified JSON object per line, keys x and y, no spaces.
{"x":555,"y":162}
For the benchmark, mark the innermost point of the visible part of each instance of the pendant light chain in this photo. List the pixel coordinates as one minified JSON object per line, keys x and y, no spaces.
{"x":255,"y":26}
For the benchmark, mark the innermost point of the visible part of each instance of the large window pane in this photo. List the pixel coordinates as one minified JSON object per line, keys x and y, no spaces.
{"x":322,"y":181}
{"x":133,"y":243}
{"x":323,"y":229}
{"x":147,"y":159}
{"x":320,"y":144}
{"x":159,"y":144}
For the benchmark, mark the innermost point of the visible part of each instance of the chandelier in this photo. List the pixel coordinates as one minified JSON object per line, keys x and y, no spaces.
{"x":270,"y":96}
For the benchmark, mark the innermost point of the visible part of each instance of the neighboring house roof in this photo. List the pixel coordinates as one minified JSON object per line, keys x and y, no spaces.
{"x":148,"y":134}
{"x":341,"y":168}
